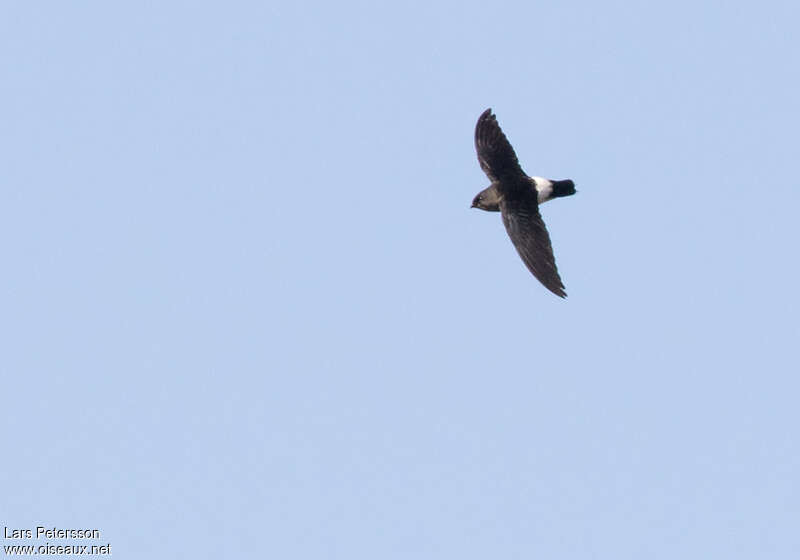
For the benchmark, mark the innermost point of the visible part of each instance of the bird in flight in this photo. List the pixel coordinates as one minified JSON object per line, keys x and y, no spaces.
{"x":517,"y":197}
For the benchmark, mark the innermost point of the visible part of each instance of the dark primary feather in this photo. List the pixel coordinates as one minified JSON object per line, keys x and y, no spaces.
{"x":529,"y":235}
{"x":495,"y":154}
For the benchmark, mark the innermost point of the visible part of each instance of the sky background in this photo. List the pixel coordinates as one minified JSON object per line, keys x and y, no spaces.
{"x":247,"y":311}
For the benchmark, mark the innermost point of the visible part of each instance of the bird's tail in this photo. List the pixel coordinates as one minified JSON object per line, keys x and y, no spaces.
{"x":563,"y":188}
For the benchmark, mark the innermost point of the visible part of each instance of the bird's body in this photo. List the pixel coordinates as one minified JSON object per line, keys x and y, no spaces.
{"x":517,"y":197}
{"x":546,"y":189}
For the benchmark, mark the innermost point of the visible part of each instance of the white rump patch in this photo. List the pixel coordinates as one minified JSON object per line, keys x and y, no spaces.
{"x":544,"y":189}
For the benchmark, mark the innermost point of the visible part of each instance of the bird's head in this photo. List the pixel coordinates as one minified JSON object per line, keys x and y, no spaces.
{"x":487,"y":200}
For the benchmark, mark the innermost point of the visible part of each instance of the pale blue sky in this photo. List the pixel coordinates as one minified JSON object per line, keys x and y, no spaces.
{"x":248,"y":313}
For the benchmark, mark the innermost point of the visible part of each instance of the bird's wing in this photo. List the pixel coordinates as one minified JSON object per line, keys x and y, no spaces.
{"x":529,"y":235}
{"x":495,"y":154}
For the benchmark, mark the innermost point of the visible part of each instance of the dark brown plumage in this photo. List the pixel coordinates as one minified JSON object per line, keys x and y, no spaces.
{"x":517,"y":201}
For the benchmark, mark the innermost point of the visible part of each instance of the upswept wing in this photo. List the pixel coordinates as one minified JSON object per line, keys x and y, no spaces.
{"x":495,"y":154}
